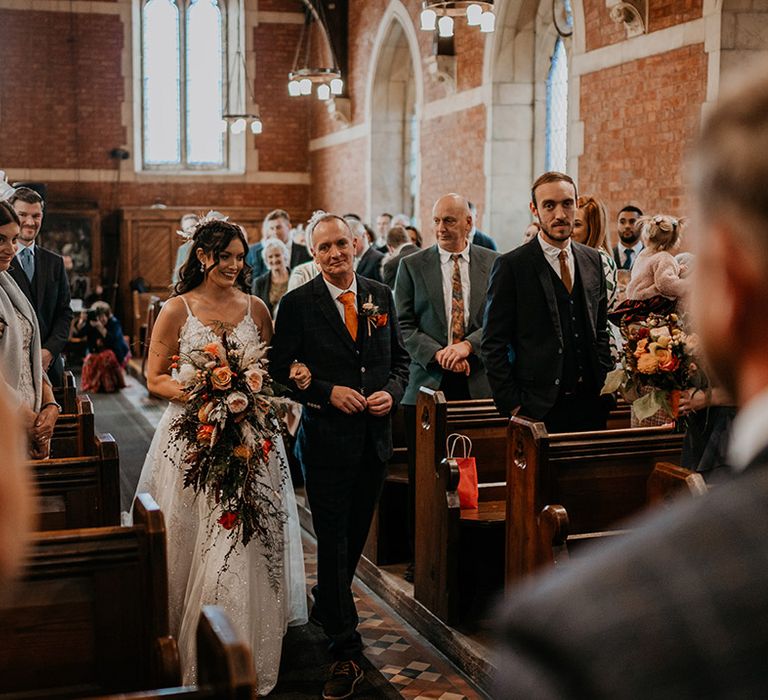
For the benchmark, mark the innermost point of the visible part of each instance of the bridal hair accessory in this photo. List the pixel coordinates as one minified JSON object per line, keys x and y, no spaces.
{"x":662,"y":230}
{"x":190,"y":233}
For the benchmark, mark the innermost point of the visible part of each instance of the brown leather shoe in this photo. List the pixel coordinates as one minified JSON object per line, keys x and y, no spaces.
{"x":344,"y":676}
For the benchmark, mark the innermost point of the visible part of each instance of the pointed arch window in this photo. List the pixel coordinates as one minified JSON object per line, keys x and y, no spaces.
{"x":183,"y":84}
{"x":557,"y":109}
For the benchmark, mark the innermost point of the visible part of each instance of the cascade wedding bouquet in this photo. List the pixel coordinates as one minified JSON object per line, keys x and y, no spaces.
{"x":659,"y":360}
{"x":227,"y":433}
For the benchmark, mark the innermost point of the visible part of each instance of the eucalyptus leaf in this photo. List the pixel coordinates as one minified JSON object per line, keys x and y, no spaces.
{"x":647,"y":405}
{"x":613,"y":381}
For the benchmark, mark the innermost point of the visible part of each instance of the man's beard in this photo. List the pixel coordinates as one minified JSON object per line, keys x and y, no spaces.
{"x":629,"y":237}
{"x":562,"y":234}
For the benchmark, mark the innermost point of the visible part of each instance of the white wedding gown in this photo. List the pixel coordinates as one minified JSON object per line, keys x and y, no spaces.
{"x":197,"y":545}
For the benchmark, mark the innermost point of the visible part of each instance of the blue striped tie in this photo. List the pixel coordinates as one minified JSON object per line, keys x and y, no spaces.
{"x":27,"y":262}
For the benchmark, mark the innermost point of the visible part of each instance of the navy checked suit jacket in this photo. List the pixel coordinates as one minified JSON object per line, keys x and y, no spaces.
{"x":309,"y":329}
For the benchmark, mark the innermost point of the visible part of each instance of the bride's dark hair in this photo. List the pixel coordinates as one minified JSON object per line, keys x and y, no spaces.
{"x":212,"y":237}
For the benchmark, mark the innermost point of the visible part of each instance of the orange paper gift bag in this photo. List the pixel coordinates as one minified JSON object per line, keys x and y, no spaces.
{"x":458,"y":443}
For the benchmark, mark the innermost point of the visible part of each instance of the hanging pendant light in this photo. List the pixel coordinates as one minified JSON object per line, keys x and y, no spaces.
{"x":441,"y":15}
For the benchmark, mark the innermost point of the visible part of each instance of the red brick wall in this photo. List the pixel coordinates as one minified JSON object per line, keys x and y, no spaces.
{"x":338,"y":177}
{"x":601,"y":31}
{"x":635,"y":151}
{"x":62,"y":91}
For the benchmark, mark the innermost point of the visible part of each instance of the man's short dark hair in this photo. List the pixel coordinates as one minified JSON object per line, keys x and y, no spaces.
{"x":552,"y":176}
{"x":387,"y":214}
{"x":633,"y":208}
{"x":277,"y":214}
{"x":27,"y":195}
{"x":397,"y":236}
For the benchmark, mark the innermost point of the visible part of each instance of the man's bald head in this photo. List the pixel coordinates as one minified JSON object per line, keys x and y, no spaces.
{"x":452,"y":222}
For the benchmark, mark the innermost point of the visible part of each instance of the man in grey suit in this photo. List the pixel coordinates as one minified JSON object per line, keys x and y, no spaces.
{"x":678,"y":609}
{"x":440,"y":295}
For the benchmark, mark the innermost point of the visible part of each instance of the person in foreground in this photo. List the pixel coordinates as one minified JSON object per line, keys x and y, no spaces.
{"x":337,"y":341}
{"x":676,"y":609}
{"x":211,"y":300}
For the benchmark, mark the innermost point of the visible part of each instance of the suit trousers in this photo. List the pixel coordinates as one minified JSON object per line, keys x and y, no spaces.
{"x":342,"y":499}
{"x":578,"y":411}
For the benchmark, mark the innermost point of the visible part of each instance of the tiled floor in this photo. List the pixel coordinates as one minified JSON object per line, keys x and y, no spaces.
{"x":414,"y":667}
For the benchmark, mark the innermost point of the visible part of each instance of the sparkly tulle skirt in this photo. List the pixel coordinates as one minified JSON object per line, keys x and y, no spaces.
{"x":260,"y":608}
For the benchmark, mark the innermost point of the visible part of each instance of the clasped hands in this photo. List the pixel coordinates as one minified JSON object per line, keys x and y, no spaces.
{"x":344,"y":398}
{"x":40,"y":430}
{"x":454,"y":358}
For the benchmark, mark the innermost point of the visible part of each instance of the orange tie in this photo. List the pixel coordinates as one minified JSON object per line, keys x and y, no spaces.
{"x":350,"y":312}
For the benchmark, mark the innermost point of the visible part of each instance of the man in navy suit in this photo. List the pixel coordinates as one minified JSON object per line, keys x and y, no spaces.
{"x":477,"y":237}
{"x":337,"y":341}
{"x":630,"y":245}
{"x":369,"y":259}
{"x":677,"y":609}
{"x":41,"y":275}
{"x":277,"y":224}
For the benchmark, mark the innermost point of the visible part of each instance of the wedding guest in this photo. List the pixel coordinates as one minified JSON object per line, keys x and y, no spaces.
{"x":545,"y":343}
{"x":477,"y":237}
{"x":187,"y":224}
{"x":676,"y":608}
{"x":108,"y":353}
{"x":383,"y":224}
{"x":399,"y":246}
{"x":277,"y":224}
{"x":26,"y":386}
{"x":40,"y":274}
{"x":368,"y":258}
{"x":630,"y":242}
{"x":531,"y":231}
{"x":273,"y":284}
{"x":415,"y":235}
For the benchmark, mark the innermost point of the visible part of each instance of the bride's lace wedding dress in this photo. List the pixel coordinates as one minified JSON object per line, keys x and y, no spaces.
{"x":197,"y":545}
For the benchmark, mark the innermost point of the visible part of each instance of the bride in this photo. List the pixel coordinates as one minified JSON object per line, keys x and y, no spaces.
{"x":209,"y":300}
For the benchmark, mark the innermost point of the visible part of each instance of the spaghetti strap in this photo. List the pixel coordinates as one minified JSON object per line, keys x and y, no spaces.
{"x":189,"y":311}
{"x":248,"y":311}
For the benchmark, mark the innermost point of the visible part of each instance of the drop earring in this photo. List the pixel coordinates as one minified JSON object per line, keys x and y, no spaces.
{"x":202,"y":267}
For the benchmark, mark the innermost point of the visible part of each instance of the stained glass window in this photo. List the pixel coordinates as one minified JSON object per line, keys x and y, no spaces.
{"x":557,"y":109}
{"x":183,"y":64}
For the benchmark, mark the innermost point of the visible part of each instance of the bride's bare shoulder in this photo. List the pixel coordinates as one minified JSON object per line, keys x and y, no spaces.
{"x":174,"y":309}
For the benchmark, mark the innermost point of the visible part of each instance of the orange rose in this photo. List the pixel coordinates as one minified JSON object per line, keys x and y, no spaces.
{"x":381,"y":320}
{"x":221,"y":378}
{"x":641,"y":347}
{"x":242,"y":452}
{"x":647,"y":363}
{"x":205,"y":433}
{"x":667,"y":361}
{"x":214,"y":350}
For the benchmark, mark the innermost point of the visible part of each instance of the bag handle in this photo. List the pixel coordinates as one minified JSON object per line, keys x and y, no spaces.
{"x":457,"y":441}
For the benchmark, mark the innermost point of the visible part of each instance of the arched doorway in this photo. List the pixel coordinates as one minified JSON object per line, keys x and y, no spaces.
{"x":394,"y":120}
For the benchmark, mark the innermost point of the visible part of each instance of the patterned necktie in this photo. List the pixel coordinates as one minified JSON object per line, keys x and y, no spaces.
{"x":565,"y":273}
{"x":628,"y":258}
{"x":27,"y":263}
{"x":350,"y":312}
{"x":457,"y":302}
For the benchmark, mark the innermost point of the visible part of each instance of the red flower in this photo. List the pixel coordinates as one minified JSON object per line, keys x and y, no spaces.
{"x":642,"y":333}
{"x":228,"y":520}
{"x":381,"y":320}
{"x":205,"y":433}
{"x":266,"y":446}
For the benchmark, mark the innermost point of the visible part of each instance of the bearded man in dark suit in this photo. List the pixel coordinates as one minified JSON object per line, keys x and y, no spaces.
{"x":337,"y":341}
{"x":41,"y":275}
{"x":677,"y":609}
{"x":545,"y":339}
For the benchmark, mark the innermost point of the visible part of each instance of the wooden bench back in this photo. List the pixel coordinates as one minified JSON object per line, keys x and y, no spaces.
{"x":599,"y":477}
{"x":224,"y":665}
{"x":91,"y":613}
{"x":153,"y":309}
{"x":74,"y":434}
{"x":66,"y":394}
{"x":81,"y":491}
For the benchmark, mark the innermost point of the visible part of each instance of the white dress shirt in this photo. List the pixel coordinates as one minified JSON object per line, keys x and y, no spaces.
{"x":335,"y":292}
{"x":749,"y":433}
{"x":635,"y":252}
{"x":552,"y":253}
{"x":446,"y":268}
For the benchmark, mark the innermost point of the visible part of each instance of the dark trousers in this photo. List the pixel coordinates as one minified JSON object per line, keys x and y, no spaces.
{"x":56,"y":371}
{"x":342,"y":500}
{"x":578,"y":411}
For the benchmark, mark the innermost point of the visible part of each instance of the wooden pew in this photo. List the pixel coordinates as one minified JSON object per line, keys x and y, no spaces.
{"x":599,"y":478}
{"x":74,"y":433}
{"x":153,"y":309}
{"x":224,"y":665}
{"x":82,"y":491}
{"x":66,"y":394}
{"x":441,"y":525}
{"x":90,"y":615}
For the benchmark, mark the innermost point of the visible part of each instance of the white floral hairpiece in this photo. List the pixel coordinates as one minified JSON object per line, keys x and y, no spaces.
{"x":210,"y":216}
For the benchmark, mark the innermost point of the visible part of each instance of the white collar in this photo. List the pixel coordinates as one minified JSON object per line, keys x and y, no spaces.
{"x":635,"y":248}
{"x":749,"y":433}
{"x":552,"y":251}
{"x":30,"y":248}
{"x":335,"y":291}
{"x":445,"y":255}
